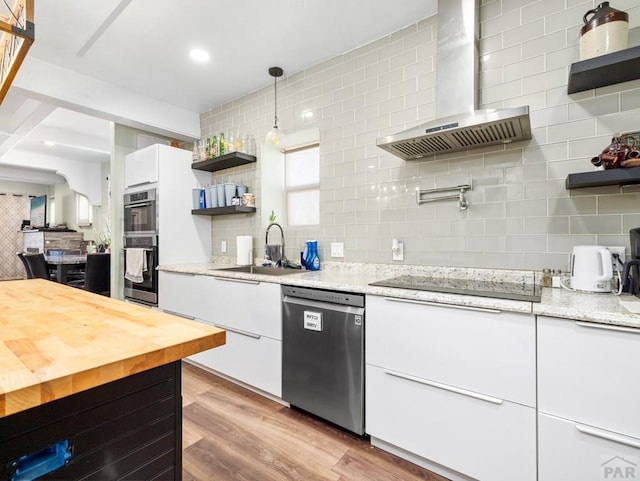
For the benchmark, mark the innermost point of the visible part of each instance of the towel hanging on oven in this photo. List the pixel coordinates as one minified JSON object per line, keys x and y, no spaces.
{"x":136,"y":261}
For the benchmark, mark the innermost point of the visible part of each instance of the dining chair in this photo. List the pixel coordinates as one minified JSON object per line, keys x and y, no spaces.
{"x":36,"y":266}
{"x":97,"y":275}
{"x":26,"y":265}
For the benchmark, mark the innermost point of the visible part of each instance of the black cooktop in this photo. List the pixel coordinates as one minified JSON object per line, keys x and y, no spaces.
{"x":516,"y":291}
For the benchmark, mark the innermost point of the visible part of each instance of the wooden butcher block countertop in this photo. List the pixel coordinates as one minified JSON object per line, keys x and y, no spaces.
{"x":57,"y":340}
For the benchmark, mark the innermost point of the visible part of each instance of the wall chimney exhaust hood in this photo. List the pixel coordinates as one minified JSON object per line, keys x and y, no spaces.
{"x":460,"y":125}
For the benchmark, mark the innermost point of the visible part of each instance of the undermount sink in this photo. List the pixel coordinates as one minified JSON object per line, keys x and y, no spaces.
{"x":269,"y":271}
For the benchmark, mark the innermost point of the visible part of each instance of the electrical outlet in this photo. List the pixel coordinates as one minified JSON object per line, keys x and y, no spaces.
{"x":619,"y":250}
{"x":397,"y":249}
{"x":223,"y":246}
{"x":337,"y":249}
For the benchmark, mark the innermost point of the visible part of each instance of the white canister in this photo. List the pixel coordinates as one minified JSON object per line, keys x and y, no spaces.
{"x":605,"y":30}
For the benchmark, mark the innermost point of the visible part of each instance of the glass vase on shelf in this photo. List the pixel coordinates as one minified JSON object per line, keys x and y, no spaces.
{"x":214,"y":146}
{"x":203,"y":154}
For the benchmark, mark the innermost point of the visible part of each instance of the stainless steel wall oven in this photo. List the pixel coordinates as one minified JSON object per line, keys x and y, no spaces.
{"x":141,"y":212}
{"x":147,"y":290}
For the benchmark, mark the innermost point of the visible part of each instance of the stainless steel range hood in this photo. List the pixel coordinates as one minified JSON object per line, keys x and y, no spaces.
{"x":460,"y":125}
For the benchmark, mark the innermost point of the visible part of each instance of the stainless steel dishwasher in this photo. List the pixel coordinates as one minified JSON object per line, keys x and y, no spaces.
{"x":323,"y":354}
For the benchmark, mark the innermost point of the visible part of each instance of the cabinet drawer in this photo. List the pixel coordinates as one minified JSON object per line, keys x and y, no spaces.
{"x":184,"y":294}
{"x":253,"y":307}
{"x":254,"y":361}
{"x":585,"y":373}
{"x":484,"y":351}
{"x":475,"y":437}
{"x":569,"y":450}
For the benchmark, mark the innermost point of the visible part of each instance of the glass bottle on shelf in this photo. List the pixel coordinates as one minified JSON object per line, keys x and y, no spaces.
{"x":238,"y":141}
{"x":207,"y":148}
{"x":231,"y":145}
{"x":214,"y":146}
{"x":203,"y":154}
{"x":195,"y":155}
{"x":222,"y":148}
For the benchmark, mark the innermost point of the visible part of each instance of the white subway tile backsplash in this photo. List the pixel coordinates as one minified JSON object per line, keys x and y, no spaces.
{"x":549,"y":116}
{"x":572,"y":130}
{"x":566,"y":18}
{"x":594,"y":107}
{"x":523,"y":33}
{"x":595,"y":224}
{"x":547,"y":225}
{"x":521,"y":216}
{"x":509,"y":19}
{"x":544,"y":81}
{"x":626,"y":121}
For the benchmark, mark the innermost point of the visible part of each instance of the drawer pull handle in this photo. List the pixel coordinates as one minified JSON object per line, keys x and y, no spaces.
{"x":242,"y":281}
{"x":440,"y":304}
{"x":616,"y":438}
{"x":173,"y":313}
{"x":446,"y":387}
{"x":608,"y":327}
{"x":238,"y":331}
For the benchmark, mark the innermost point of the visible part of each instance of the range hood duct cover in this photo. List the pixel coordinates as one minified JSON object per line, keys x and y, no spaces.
{"x":456,"y":91}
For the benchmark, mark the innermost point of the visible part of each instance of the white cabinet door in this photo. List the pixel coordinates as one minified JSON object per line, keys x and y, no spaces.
{"x":569,"y":450}
{"x":485,"y":351}
{"x":480,"y":437}
{"x":141,"y":167}
{"x":586,"y":374}
{"x":254,"y":307}
{"x":252,"y":359}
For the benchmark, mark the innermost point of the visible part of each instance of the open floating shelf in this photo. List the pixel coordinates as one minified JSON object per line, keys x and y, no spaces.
{"x":225,"y":161}
{"x":234,"y":209}
{"x":598,"y":178}
{"x":609,"y":69}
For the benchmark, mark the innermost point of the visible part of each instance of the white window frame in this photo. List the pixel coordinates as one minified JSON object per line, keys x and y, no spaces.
{"x":312,"y":187}
{"x":84,"y":211}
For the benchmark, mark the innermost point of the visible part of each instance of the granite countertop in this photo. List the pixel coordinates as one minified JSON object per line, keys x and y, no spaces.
{"x":555,"y":302}
{"x":57,"y":340}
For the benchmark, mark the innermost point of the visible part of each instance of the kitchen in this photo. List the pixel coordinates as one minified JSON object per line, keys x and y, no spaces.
{"x":520,"y":214}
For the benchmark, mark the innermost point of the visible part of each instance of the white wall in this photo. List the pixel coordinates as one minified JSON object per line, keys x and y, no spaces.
{"x":521,"y":216}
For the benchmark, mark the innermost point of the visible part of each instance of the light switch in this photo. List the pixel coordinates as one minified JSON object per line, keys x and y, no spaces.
{"x":337,"y":249}
{"x":223,"y":246}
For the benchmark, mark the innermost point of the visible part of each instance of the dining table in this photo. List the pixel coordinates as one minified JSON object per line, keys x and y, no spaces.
{"x":62,"y":264}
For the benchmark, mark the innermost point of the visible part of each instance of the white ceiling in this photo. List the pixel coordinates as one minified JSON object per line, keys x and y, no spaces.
{"x":143,"y":46}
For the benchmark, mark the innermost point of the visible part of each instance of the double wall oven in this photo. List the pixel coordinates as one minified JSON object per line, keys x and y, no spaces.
{"x":141,"y":232}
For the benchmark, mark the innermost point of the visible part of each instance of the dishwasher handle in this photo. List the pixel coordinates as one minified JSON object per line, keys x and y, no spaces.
{"x":323,"y":305}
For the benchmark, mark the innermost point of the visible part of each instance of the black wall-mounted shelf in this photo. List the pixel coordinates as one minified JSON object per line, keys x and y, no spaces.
{"x":234,"y":209}
{"x":599,"y":178}
{"x":609,"y":69}
{"x":225,"y":161}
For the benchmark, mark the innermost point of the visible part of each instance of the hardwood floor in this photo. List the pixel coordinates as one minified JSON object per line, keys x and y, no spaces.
{"x":230,"y":433}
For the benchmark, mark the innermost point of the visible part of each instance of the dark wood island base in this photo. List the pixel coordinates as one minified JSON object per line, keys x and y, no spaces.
{"x":127,"y":429}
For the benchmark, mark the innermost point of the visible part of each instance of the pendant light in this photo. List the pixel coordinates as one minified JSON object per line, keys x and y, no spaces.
{"x":275,"y":135}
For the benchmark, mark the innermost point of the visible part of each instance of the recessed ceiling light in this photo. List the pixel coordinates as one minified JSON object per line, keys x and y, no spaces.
{"x":199,"y":55}
{"x":49,"y":143}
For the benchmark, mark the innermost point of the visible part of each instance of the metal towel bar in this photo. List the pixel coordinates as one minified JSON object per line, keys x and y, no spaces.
{"x":463,"y":202}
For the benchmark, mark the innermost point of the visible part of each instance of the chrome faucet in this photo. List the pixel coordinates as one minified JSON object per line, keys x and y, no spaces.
{"x":270,"y":253}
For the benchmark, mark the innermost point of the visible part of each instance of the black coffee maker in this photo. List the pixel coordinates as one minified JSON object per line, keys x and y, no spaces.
{"x":631,"y":274}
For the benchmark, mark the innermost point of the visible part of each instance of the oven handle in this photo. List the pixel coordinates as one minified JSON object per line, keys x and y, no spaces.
{"x":140,"y":204}
{"x":146,"y":249}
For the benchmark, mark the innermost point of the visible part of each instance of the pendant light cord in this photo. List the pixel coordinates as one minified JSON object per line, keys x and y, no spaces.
{"x":275,"y":98}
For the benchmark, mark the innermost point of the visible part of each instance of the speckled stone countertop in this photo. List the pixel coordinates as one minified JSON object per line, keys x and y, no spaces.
{"x":340,"y":276}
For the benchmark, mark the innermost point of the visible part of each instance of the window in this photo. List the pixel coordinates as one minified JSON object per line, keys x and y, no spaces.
{"x":302,"y":185}
{"x":84,"y":211}
{"x":52,"y":211}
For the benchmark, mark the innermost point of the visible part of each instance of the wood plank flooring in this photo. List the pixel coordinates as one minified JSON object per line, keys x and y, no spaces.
{"x":230,"y":433}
